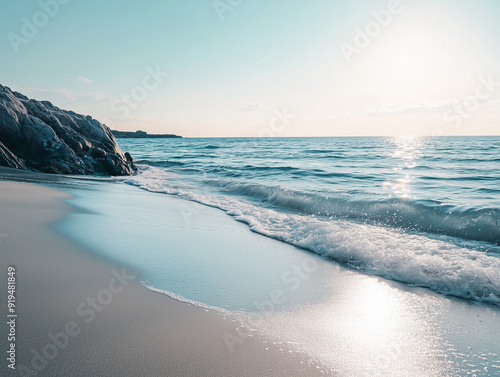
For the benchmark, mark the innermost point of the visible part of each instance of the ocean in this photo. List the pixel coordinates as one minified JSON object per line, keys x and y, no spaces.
{"x":368,"y":256}
{"x":421,"y":211}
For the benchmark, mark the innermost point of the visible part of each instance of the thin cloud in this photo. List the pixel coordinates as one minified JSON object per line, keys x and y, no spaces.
{"x":84,"y":80}
{"x":65,"y":96}
{"x":98,"y":97}
{"x":421,"y":107}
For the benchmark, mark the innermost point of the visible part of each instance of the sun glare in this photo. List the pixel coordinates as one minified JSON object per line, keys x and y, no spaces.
{"x":414,"y":61}
{"x":404,"y":64}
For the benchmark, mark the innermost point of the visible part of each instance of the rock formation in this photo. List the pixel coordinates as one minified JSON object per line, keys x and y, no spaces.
{"x":141,"y":135}
{"x":38,"y":136}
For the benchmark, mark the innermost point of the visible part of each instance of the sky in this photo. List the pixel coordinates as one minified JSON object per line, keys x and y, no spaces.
{"x":248,"y":68}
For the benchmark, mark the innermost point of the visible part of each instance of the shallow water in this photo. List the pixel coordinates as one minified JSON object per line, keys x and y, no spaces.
{"x":423,"y":211}
{"x":219,"y":265}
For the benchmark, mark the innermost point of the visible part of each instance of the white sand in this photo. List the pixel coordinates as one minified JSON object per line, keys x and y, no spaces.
{"x":362,"y":326}
{"x":137,"y":333}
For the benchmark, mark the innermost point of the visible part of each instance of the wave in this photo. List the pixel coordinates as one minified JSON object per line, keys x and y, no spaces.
{"x":299,"y":172}
{"x":211,"y":146}
{"x":155,"y":163}
{"x":331,"y":152}
{"x":427,"y":216}
{"x":310,"y":222}
{"x":413,"y":259}
{"x":477,"y":224}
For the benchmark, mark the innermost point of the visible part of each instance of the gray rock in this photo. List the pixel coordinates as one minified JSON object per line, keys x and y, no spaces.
{"x":9,"y":159}
{"x":39,"y":136}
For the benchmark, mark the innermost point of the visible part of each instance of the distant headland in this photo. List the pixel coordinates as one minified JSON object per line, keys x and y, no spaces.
{"x":141,"y":134}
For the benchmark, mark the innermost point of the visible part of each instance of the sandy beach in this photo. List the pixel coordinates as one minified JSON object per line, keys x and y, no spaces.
{"x":135,"y":333}
{"x":235,"y":188}
{"x":81,"y":313}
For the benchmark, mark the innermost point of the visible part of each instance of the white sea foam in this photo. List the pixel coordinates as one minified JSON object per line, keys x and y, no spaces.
{"x":387,"y":252}
{"x":185,"y":300}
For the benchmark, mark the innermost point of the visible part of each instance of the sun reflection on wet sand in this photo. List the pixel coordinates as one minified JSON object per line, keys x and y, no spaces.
{"x":367,"y":327}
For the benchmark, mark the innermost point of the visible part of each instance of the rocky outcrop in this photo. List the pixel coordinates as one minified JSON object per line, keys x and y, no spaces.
{"x":141,"y":135}
{"x":38,"y":136}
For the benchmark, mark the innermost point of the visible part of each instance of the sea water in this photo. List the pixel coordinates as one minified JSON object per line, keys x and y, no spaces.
{"x":423,"y":211}
{"x":383,"y":228}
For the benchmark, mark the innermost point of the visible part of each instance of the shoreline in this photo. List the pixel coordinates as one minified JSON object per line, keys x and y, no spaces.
{"x":113,"y":324}
{"x":340,"y":322}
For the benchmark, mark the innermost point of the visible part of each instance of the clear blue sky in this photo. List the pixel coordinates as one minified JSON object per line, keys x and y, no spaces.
{"x":260,"y":67}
